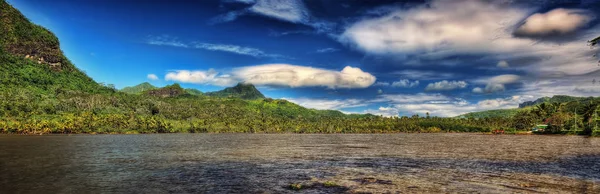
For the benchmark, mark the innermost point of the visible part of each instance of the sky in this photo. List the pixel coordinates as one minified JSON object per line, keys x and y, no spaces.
{"x":390,"y":58}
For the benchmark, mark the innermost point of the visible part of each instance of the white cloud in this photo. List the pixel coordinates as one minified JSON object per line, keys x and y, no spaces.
{"x":481,"y":27}
{"x":496,"y":83}
{"x":234,"y":49}
{"x":327,"y":50}
{"x":382,"y":84}
{"x":152,"y":77}
{"x":279,"y":75}
{"x":449,"y":107}
{"x":502,"y":64}
{"x":404,"y":83}
{"x":437,"y":27}
{"x":424,"y":75}
{"x":287,"y":10}
{"x":556,"y":21}
{"x":211,"y":77}
{"x":166,"y":40}
{"x":293,"y":11}
{"x":504,"y":79}
{"x":410,"y":98}
{"x":446,"y":85}
{"x":327,"y":104}
{"x":301,"y":76}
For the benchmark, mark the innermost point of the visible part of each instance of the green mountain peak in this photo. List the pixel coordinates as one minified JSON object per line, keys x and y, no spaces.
{"x":241,"y":90}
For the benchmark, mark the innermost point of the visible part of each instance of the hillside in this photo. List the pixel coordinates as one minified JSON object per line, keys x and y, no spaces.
{"x":241,"y":90}
{"x":41,"y":91}
{"x":31,"y":58}
{"x":492,"y":113}
{"x":138,"y":89}
{"x":555,"y":99}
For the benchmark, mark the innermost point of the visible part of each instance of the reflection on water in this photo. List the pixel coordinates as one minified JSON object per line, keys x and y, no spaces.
{"x":257,"y":163}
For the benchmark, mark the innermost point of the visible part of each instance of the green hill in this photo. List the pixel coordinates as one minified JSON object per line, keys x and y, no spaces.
{"x":31,"y":58}
{"x":194,"y":92}
{"x":555,"y":99}
{"x":492,"y":113}
{"x":41,"y":91}
{"x":138,"y":89}
{"x":241,"y":90}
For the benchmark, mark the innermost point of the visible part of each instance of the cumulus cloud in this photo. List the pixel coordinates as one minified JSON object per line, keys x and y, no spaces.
{"x":481,"y":27}
{"x":279,"y":75}
{"x":502,"y":64}
{"x":410,"y":98}
{"x":449,"y":107}
{"x":152,"y":77}
{"x":404,"y":83}
{"x":557,"y":21}
{"x":504,"y":79}
{"x":211,"y":77}
{"x":382,"y":84}
{"x":436,"y":27}
{"x":496,"y":83}
{"x":300,"y":76}
{"x":446,"y":85}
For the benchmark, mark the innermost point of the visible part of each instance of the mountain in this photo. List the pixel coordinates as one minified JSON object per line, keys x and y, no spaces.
{"x":41,"y":91}
{"x":554,"y":99}
{"x":528,"y":106}
{"x":31,"y":59}
{"x":138,"y":89}
{"x":167,"y":91}
{"x":241,"y":90}
{"x":194,"y":92}
{"x":492,"y":113}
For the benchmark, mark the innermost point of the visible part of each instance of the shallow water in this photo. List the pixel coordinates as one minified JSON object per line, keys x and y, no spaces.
{"x":269,"y":163}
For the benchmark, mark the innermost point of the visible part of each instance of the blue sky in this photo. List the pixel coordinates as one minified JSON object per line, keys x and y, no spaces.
{"x":382,"y":57}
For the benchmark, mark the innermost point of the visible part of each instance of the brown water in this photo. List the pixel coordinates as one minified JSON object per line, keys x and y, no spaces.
{"x":269,"y":163}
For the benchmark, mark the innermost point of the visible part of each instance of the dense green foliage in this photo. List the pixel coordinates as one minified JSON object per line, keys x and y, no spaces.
{"x":138,"y":89}
{"x":42,"y":92}
{"x":555,"y":99}
{"x":505,"y":113}
{"x":241,"y":90}
{"x":194,"y":91}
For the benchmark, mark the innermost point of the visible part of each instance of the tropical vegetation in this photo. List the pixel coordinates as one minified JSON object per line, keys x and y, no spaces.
{"x":41,"y":91}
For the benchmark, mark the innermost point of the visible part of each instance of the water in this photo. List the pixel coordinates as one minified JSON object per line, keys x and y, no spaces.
{"x":270,"y":163}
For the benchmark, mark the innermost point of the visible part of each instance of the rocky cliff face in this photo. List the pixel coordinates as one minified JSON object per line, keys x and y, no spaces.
{"x":22,"y":38}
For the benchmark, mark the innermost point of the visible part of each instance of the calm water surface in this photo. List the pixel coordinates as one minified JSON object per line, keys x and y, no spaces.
{"x":269,"y":163}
